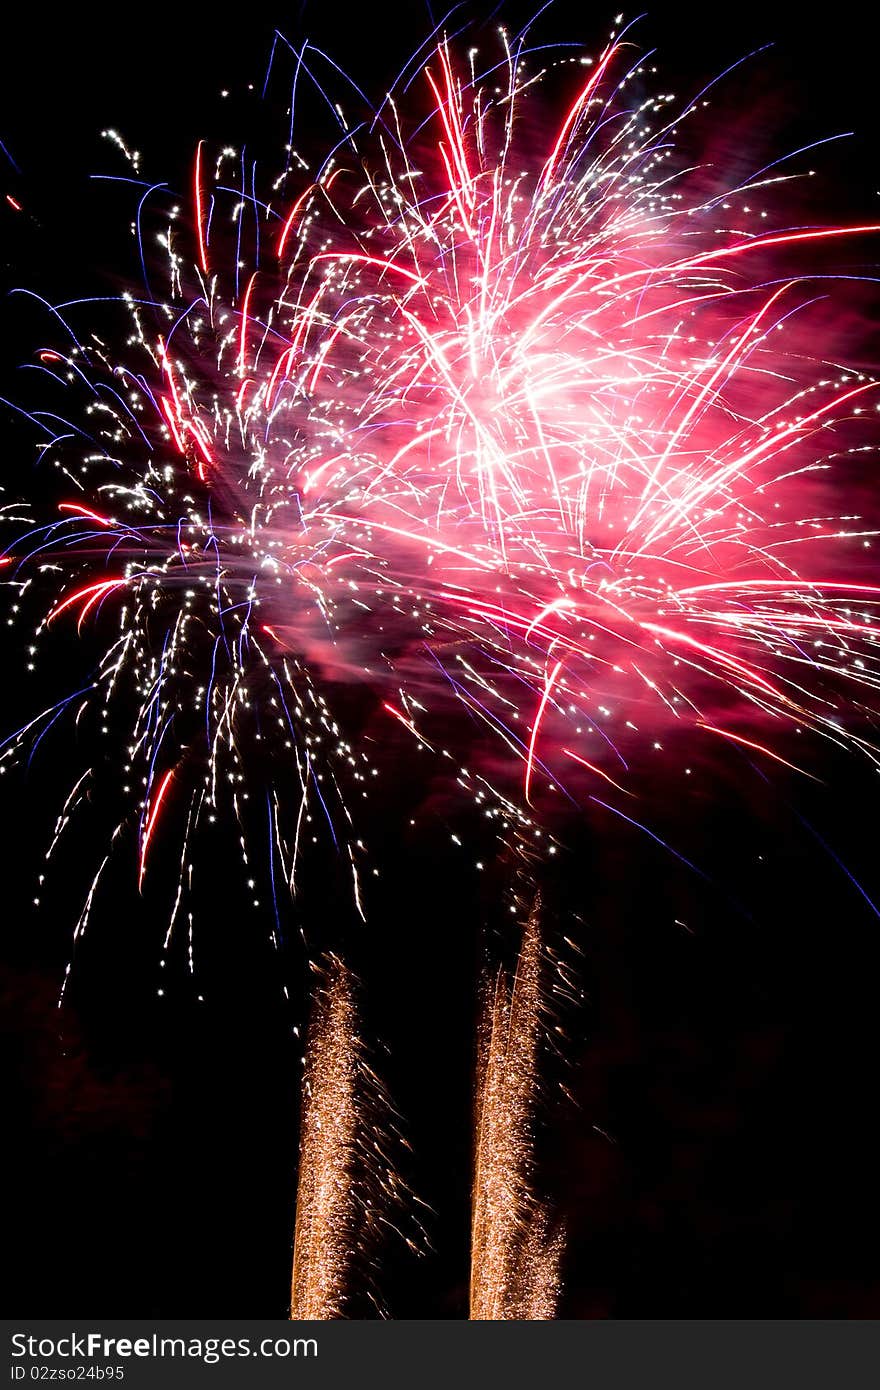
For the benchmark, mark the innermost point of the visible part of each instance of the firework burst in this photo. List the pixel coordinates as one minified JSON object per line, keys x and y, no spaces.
{"x":513,"y":434}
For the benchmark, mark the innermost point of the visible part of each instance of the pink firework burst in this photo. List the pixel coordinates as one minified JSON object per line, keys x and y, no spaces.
{"x":516,"y":422}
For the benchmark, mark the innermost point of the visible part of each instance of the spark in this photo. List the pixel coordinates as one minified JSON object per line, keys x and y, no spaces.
{"x":756,"y":747}
{"x":152,"y":820}
{"x":548,"y":689}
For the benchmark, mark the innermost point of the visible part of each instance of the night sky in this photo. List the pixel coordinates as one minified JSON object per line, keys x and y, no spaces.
{"x":719,"y":1156}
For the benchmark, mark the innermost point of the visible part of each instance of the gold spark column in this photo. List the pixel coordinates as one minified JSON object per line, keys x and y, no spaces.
{"x":325,"y":1235}
{"x":515,"y":1256}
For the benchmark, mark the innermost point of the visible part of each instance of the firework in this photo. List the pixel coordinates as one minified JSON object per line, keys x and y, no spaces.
{"x":525,"y":449}
{"x":515,"y":1255}
{"x":348,"y":1186}
{"x":528,"y":448}
{"x":326,"y":1224}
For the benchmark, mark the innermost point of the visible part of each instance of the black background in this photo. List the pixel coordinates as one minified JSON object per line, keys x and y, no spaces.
{"x":721,"y":1159}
